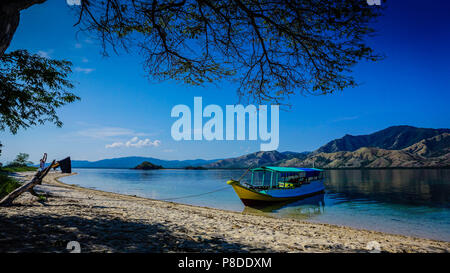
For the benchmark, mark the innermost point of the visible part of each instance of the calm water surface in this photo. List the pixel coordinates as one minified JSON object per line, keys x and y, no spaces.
{"x":410,"y":202}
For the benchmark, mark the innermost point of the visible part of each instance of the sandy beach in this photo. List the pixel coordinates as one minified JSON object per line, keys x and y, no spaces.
{"x":109,"y":222}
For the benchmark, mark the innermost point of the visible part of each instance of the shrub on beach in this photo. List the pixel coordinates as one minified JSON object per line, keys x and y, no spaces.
{"x":20,"y":164}
{"x":16,"y":169}
{"x":7,"y":185}
{"x":20,"y":161}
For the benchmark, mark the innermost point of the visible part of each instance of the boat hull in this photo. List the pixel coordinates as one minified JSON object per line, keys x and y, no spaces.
{"x":252,"y":197}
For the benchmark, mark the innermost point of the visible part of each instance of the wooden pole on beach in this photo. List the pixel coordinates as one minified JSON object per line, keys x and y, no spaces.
{"x":37,"y":179}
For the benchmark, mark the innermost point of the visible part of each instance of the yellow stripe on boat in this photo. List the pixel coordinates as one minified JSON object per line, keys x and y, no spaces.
{"x":249,"y":194}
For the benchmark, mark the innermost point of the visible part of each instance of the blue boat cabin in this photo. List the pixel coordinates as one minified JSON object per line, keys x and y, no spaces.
{"x":283,"y":177}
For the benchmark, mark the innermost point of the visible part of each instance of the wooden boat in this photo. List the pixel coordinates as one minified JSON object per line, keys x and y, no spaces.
{"x":278,"y":184}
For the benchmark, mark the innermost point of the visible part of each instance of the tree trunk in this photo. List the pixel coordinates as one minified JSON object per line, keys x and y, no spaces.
{"x":9,"y":19}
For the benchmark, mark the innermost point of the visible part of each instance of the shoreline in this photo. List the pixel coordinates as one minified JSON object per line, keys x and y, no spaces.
{"x":325,"y":169}
{"x":111,"y":222}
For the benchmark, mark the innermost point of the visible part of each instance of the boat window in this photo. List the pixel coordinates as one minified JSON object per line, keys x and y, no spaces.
{"x":288,"y":177}
{"x":290,"y":180}
{"x":247,"y":178}
{"x":261,"y":178}
{"x":266,"y":179}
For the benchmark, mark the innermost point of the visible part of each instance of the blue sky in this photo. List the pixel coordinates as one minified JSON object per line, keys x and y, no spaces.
{"x":118,"y":103}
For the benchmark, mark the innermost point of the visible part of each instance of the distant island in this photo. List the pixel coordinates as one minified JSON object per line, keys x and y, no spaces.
{"x":147,"y":166}
{"x":394,"y":147}
{"x":195,"y":168}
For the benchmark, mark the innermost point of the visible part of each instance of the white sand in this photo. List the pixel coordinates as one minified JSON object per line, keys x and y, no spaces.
{"x":109,"y":222}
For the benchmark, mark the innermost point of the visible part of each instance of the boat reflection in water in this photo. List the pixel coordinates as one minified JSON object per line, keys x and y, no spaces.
{"x":299,"y":209}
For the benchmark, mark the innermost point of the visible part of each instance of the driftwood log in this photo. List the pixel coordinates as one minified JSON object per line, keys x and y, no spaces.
{"x":37,"y":179}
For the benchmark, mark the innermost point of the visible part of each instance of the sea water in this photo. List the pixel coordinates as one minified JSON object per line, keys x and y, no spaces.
{"x":403,"y":201}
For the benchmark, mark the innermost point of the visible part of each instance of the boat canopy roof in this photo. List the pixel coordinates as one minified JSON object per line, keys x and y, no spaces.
{"x":307,"y":171}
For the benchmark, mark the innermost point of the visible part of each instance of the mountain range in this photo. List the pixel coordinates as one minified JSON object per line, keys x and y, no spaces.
{"x":133,"y":161}
{"x":392,"y":138}
{"x":393,"y":147}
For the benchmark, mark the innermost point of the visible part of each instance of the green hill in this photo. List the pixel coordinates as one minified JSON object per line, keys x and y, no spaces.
{"x":147,"y":166}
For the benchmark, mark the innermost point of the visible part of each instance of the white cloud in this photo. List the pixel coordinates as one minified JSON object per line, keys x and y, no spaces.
{"x":78,"y":45}
{"x":114,"y":145}
{"x":84,"y":60}
{"x":73,"y":2}
{"x":135,"y":142}
{"x":45,"y":54}
{"x":84,"y":70}
{"x":106,"y":132}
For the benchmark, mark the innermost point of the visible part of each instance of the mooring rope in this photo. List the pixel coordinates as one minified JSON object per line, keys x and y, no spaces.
{"x":195,"y":195}
{"x":209,"y":192}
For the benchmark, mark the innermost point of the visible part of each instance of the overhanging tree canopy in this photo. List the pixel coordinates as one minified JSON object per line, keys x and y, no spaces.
{"x":271,"y":48}
{"x":31,"y":88}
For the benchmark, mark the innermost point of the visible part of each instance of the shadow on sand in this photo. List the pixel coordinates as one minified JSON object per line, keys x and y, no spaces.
{"x":46,"y":233}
